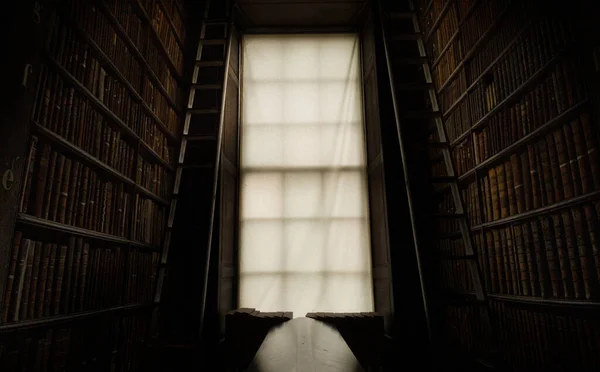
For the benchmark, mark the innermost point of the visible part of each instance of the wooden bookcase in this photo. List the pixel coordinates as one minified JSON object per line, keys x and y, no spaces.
{"x":513,"y":83}
{"x":96,"y":184}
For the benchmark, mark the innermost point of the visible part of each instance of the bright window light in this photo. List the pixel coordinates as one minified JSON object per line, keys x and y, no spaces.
{"x":304,"y":239}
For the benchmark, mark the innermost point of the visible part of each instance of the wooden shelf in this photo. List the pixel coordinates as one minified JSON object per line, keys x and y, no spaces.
{"x":474,"y":48}
{"x":131,"y":45}
{"x":95,"y":162}
{"x":113,"y":68}
{"x":171,"y":24}
{"x":560,"y":119}
{"x":83,"y":155}
{"x":139,"y":8}
{"x":439,"y":19}
{"x":539,"y":211}
{"x":579,"y":304}
{"x":129,"y":133}
{"x":442,"y":52}
{"x":53,"y":321}
{"x":483,"y":73}
{"x":468,"y":13}
{"x":512,"y":96}
{"x":29,"y":220}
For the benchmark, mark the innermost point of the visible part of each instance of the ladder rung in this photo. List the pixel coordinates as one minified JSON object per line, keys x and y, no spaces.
{"x":199,"y":138}
{"x":438,"y":145}
{"x":413,"y":86}
{"x":443,"y":189}
{"x":448,"y":215}
{"x":443,"y":179}
{"x":195,"y":166}
{"x":451,"y":235}
{"x":405,"y":37}
{"x":210,"y":63}
{"x":213,"y":41}
{"x":401,"y":15}
{"x":457,"y":258}
{"x":216,"y":21}
{"x":436,"y":158}
{"x":207,"y":86}
{"x":457,"y":292}
{"x":410,"y":60}
{"x":204,"y":111}
{"x":422,"y":114}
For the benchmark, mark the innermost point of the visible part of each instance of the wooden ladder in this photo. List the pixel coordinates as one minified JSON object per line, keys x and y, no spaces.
{"x":415,"y":103}
{"x":199,"y":161}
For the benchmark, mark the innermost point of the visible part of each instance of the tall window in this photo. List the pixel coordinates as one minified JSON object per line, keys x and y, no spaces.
{"x":304,"y":239}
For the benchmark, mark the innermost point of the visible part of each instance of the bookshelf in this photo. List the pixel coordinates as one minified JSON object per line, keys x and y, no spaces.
{"x":96,"y":186}
{"x":522,"y":124}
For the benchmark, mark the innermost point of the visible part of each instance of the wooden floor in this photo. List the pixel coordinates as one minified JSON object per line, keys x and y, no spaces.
{"x":304,"y":344}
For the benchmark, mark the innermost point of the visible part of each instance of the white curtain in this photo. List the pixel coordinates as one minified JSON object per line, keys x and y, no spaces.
{"x":304,"y":239}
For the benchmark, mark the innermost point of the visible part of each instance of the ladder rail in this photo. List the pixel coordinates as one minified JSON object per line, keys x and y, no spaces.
{"x":465,"y":231}
{"x":217,"y":170}
{"x":180,"y":165}
{"x":411,"y":207}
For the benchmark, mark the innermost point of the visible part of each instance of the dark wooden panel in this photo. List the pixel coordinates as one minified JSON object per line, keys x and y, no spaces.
{"x":380,"y":248}
{"x":229,"y":178}
{"x":379,"y":233}
{"x":234,"y":59}
{"x":230,"y":124}
{"x":23,"y":38}
{"x":373,"y":131}
{"x":228,"y":217}
{"x":301,"y":13}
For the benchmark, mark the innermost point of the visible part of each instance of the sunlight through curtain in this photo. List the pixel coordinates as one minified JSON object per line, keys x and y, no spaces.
{"x":304,"y":228}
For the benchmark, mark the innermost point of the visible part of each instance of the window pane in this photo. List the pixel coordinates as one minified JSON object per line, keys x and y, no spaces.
{"x":304,"y":240}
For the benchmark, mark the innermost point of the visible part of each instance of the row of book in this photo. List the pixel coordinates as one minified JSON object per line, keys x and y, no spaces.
{"x":528,"y":54}
{"x":61,"y":189}
{"x":435,"y":8}
{"x":465,"y":330}
{"x":517,"y":19}
{"x":73,"y":118}
{"x":549,"y":38}
{"x":552,"y":256}
{"x":443,"y":33}
{"x":154,"y":178}
{"x":63,"y":109}
{"x":91,"y":22}
{"x":140,"y":31}
{"x":480,"y":21}
{"x":560,"y":91}
{"x":149,"y":221}
{"x":47,"y":278}
{"x":452,"y":91}
{"x":168,"y":82}
{"x":446,"y":225}
{"x":544,"y":340}
{"x":159,"y":105}
{"x":464,"y":160}
{"x":510,"y":26}
{"x":469,"y":194}
{"x":173,"y":9}
{"x":455,"y":274}
{"x":71,"y":52}
{"x":447,"y":64}
{"x":99,"y":26}
{"x":100,"y":345}
{"x":470,"y":32}
{"x":560,"y":166}
{"x":167,"y":34}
